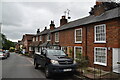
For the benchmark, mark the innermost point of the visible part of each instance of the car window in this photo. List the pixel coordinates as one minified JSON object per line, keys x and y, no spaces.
{"x":1,"y":52}
{"x":56,"y":53}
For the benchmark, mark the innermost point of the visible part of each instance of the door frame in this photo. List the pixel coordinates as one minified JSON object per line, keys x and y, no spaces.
{"x":118,"y":60}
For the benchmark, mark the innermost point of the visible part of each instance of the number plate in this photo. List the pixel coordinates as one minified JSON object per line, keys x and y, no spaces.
{"x":67,"y":70}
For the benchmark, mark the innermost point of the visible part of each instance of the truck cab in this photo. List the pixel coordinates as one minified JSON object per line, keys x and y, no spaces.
{"x":54,"y":61}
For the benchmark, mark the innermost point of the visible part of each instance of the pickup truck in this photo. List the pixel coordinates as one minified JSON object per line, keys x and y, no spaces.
{"x":54,"y":61}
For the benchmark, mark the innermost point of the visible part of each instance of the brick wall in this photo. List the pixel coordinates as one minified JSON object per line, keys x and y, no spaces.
{"x":66,"y":38}
{"x":112,"y":37}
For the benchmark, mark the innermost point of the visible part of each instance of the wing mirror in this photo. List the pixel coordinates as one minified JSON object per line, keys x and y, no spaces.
{"x":44,"y":54}
{"x":66,"y":54}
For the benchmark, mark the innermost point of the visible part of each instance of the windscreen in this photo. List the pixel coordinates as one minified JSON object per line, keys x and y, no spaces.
{"x":1,"y":52}
{"x":56,"y":53}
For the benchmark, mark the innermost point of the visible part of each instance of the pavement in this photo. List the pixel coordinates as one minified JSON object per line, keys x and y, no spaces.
{"x":21,"y":67}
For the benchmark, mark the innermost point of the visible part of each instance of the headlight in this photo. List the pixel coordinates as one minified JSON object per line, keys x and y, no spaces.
{"x":74,"y":62}
{"x":54,"y":62}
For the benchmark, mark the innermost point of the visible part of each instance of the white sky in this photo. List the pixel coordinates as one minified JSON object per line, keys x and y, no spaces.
{"x":23,"y":17}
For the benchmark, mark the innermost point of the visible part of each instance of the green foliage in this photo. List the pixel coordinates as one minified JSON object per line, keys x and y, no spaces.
{"x":6,"y":44}
{"x":70,"y":51}
{"x":81,"y":60}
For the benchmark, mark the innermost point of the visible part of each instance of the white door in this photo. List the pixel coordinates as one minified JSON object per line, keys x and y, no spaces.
{"x":116,"y":60}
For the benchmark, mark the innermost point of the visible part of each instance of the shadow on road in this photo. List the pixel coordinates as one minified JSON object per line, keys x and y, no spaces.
{"x":57,"y":76}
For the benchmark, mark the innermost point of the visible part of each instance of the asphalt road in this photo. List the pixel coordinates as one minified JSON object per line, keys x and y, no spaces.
{"x":18,"y":66}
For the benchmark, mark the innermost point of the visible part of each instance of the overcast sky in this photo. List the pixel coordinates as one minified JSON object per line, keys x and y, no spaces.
{"x":20,"y":18}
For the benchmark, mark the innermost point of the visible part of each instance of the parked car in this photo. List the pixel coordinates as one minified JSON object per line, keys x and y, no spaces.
{"x":3,"y":55}
{"x":54,"y":61}
{"x":7,"y":53}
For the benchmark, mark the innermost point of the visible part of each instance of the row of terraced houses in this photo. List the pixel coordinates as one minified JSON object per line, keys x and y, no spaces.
{"x":95,"y":36}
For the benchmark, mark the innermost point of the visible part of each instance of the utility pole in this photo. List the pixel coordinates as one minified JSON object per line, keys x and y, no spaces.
{"x":0,"y":49}
{"x":0,"y":37}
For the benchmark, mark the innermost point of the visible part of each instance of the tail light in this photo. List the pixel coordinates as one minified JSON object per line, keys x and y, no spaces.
{"x":3,"y":54}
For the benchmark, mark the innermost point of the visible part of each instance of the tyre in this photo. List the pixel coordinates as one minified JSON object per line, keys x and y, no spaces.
{"x":47,"y":72}
{"x":36,"y":65}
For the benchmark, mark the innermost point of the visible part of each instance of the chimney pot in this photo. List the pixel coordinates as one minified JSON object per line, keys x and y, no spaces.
{"x":98,"y":2}
{"x":38,"y":31}
{"x":45,"y":28}
{"x":52,"y":25}
{"x":63,"y":17}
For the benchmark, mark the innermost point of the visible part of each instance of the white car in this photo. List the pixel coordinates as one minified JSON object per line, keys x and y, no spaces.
{"x":3,"y":55}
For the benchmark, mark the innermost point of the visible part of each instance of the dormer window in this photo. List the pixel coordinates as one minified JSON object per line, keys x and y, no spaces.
{"x":48,"y":37}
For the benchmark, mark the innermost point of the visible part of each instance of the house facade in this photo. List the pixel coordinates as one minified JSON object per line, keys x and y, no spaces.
{"x":95,"y":36}
{"x":26,"y":41}
{"x":18,"y":46}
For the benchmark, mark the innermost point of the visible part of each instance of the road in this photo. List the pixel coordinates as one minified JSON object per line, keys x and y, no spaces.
{"x":18,"y":66}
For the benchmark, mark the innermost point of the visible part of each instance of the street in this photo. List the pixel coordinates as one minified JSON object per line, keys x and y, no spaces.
{"x":18,"y":66}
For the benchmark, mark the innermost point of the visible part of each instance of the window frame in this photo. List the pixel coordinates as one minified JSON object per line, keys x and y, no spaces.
{"x":58,"y":37}
{"x":33,"y":39}
{"x":48,"y":38}
{"x":95,"y":41}
{"x":100,"y":63}
{"x":75,"y":51}
{"x":40,"y":37}
{"x":81,"y":35}
{"x":37,"y":38}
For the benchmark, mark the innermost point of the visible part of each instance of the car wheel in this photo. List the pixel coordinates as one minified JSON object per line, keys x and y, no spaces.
{"x":47,"y":72}
{"x":71,"y":74}
{"x":36,"y":66}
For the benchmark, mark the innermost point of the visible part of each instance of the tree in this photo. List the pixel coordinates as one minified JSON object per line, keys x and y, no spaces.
{"x":82,"y":61}
{"x":6,"y":44}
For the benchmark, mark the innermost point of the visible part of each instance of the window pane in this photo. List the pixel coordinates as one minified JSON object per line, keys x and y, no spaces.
{"x":57,"y":36}
{"x":78,"y":38}
{"x":100,"y":33}
{"x":100,"y":55}
{"x":78,"y":51}
{"x":78,"y":32}
{"x":79,"y":35}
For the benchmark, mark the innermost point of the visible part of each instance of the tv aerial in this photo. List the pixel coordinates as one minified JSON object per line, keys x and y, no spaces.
{"x":67,"y":13}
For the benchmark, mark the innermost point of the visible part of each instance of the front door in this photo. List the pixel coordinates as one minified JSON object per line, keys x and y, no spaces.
{"x":116,"y":60}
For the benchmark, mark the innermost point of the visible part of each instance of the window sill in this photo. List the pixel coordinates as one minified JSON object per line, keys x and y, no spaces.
{"x":78,"y":42}
{"x":48,"y":40}
{"x":103,"y":64}
{"x":100,"y":42}
{"x":57,"y":41}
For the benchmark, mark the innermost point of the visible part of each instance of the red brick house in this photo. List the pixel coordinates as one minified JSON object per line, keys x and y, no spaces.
{"x":26,"y":40}
{"x":18,"y":46}
{"x":95,"y":36}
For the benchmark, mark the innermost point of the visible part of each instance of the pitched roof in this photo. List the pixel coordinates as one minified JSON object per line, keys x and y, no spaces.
{"x":35,"y":44}
{"x":114,"y":13}
{"x":46,"y":44}
{"x":44,"y":32}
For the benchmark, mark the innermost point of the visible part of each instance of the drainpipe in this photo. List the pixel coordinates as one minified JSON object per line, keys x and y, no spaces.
{"x":86,"y":44}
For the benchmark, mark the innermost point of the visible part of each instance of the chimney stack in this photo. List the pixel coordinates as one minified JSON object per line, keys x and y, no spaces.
{"x":99,"y":8}
{"x":38,"y":31}
{"x":45,"y":28}
{"x":63,"y":21}
{"x":98,"y":2}
{"x":52,"y":25}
